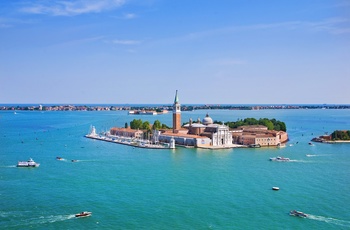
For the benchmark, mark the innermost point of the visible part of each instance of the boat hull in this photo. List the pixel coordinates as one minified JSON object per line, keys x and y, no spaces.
{"x":83,"y":214}
{"x":297,"y":214}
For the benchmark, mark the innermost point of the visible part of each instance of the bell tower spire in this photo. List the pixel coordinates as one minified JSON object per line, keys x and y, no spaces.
{"x":176,"y":114}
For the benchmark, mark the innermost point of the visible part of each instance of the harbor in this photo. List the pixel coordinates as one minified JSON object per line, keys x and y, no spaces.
{"x":134,"y":142}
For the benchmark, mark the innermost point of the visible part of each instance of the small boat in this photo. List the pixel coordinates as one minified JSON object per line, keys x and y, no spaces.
{"x":83,"y":214}
{"x":59,"y":158}
{"x":29,"y":163}
{"x":297,"y":213}
{"x":254,"y":146}
{"x":279,"y":159}
{"x":74,"y":160}
{"x":275,"y":188}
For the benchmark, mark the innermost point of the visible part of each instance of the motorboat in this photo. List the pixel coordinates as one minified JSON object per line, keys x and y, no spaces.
{"x":279,"y":159}
{"x":59,"y":158}
{"x":29,"y":163}
{"x":275,"y":188}
{"x":297,"y":213}
{"x":74,"y":160}
{"x":83,"y":214}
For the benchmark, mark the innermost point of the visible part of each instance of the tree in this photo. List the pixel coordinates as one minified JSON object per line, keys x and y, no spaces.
{"x":266,"y":122}
{"x":157,"y":125}
{"x":126,"y":125}
{"x":136,"y":124}
{"x":146,"y":125}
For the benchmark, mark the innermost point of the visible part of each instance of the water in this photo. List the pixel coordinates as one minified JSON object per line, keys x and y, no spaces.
{"x":131,"y":188}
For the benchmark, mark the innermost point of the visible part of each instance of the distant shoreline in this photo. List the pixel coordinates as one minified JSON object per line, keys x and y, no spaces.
{"x":331,"y":142}
{"x":94,"y":107}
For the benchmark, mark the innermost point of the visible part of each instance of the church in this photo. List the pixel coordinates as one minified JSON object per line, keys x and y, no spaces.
{"x":203,"y":133}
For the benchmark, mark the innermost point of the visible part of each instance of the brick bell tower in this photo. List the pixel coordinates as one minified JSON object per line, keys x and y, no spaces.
{"x":176,"y":114}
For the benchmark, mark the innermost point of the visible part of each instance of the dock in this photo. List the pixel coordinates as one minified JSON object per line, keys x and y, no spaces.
{"x":127,"y":141}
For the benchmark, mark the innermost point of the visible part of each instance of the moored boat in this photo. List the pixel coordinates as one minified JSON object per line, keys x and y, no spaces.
{"x":83,"y":214}
{"x":29,"y":163}
{"x":279,"y":159}
{"x":254,"y":146}
{"x":297,"y":213}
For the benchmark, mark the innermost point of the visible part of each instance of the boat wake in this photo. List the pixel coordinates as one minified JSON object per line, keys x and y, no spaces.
{"x":318,"y":155}
{"x":9,"y":166}
{"x":300,"y":161}
{"x":303,"y":161}
{"x":52,"y":219}
{"x":87,"y":160}
{"x":49,"y":219}
{"x":38,"y":220}
{"x":344,"y":223}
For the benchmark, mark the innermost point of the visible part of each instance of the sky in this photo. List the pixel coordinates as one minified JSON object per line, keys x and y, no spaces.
{"x":142,"y":51}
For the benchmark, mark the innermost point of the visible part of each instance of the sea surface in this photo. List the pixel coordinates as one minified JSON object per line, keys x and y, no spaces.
{"x":132,"y":188}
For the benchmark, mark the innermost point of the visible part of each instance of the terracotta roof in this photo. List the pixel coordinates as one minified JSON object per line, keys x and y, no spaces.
{"x":180,"y":135}
{"x":126,"y":130}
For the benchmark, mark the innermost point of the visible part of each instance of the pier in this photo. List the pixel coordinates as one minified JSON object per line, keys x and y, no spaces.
{"x":134,"y":142}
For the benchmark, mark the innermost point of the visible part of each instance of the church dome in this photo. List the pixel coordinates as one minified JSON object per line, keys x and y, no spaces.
{"x":207,"y":120}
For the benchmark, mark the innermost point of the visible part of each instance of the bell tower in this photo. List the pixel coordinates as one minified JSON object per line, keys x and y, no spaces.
{"x":176,"y":114}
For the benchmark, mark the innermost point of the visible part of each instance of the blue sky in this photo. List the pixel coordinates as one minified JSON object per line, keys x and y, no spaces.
{"x":141,"y":51}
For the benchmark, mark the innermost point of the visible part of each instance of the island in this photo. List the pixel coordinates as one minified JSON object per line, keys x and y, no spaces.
{"x":338,"y":136}
{"x":202,"y":133}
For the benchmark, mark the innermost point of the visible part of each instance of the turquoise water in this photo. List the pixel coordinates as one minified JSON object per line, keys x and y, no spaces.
{"x":131,"y":188}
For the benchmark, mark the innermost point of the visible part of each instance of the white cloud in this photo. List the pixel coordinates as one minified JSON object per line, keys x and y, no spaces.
{"x":71,"y":8}
{"x":331,"y":25}
{"x":129,"y":16}
{"x":126,"y":42}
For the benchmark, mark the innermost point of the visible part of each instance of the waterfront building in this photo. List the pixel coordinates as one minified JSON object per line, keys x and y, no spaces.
{"x":126,"y":132}
{"x":201,"y":134}
{"x":258,"y":135}
{"x":220,"y":135}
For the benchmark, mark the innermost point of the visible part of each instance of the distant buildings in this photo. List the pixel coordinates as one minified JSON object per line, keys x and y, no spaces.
{"x":205,"y":134}
{"x":126,"y":132}
{"x":258,"y":135}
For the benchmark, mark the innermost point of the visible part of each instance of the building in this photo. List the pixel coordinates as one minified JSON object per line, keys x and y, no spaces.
{"x":201,"y":134}
{"x":220,"y":135}
{"x":126,"y":132}
{"x":258,"y":135}
{"x":176,"y":114}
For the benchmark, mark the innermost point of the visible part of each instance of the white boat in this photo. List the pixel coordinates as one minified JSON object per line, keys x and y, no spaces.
{"x":83,"y":214}
{"x":297,"y":213}
{"x":29,"y":163}
{"x":275,"y":188}
{"x":254,"y":146}
{"x":279,"y":159}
